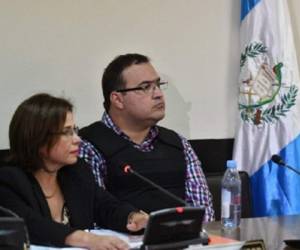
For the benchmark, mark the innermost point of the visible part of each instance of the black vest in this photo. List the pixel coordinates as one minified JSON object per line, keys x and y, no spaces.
{"x":165,"y":165}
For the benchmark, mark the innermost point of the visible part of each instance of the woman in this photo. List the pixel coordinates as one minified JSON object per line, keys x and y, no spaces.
{"x":55,"y":194}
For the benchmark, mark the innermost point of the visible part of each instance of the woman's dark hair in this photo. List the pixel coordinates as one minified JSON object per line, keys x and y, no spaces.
{"x":112,"y":77}
{"x":33,"y":126}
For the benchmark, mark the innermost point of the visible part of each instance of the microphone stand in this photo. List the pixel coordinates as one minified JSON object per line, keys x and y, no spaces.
{"x":166,"y":192}
{"x":294,"y":243}
{"x":291,"y":168}
{"x":159,"y":222}
{"x":279,"y":161}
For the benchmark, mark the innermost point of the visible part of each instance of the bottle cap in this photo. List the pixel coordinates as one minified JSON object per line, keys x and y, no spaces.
{"x":231,"y":164}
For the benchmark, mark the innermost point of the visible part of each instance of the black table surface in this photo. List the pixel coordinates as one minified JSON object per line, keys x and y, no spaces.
{"x":273,"y":230}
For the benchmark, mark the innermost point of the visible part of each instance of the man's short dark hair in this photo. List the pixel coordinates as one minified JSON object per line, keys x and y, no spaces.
{"x":112,"y":77}
{"x":33,"y":126}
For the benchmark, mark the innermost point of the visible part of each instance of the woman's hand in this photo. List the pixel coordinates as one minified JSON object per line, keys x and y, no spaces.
{"x":98,"y":242}
{"x":95,"y":242}
{"x":137,"y":221}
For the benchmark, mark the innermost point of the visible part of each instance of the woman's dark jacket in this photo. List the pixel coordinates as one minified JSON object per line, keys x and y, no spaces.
{"x":87,"y":203}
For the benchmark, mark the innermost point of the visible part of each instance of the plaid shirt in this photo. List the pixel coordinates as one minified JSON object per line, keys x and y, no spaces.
{"x":196,"y":190}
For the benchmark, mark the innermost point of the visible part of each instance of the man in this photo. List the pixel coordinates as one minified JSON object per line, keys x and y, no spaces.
{"x":128,"y":134}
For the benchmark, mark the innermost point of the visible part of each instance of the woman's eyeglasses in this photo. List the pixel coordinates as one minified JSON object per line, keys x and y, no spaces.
{"x":69,"y":131}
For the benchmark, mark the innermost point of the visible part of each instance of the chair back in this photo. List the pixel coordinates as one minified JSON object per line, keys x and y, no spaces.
{"x":3,"y":155}
{"x":214,"y":181}
{"x":213,"y":154}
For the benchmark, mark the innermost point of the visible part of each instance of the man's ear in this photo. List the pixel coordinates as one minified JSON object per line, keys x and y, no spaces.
{"x":116,"y":100}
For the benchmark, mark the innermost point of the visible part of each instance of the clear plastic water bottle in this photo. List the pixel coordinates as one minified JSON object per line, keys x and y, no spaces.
{"x":231,"y":197}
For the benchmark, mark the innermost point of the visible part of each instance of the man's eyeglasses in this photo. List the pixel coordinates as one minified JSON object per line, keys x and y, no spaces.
{"x":146,"y":87}
{"x":70,"y":131}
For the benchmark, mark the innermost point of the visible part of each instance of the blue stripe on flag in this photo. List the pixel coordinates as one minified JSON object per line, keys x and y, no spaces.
{"x":246,"y":7}
{"x":275,"y":189}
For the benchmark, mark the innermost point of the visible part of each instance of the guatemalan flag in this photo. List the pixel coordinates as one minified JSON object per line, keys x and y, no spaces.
{"x":269,"y":108}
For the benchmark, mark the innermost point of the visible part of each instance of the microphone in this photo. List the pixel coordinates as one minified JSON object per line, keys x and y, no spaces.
{"x":182,"y":231}
{"x":128,"y":170}
{"x":278,"y":160}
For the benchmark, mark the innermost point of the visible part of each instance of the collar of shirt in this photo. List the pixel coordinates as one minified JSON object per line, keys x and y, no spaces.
{"x":146,"y":145}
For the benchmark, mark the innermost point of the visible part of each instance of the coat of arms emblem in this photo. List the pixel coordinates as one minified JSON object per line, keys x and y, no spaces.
{"x":263,"y":96}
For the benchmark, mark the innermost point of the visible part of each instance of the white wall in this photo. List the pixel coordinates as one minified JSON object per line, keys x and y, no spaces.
{"x":62,"y":47}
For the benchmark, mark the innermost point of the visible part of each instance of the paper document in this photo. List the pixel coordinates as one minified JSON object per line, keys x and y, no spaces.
{"x":35,"y":247}
{"x":218,"y":242}
{"x":134,"y":241}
